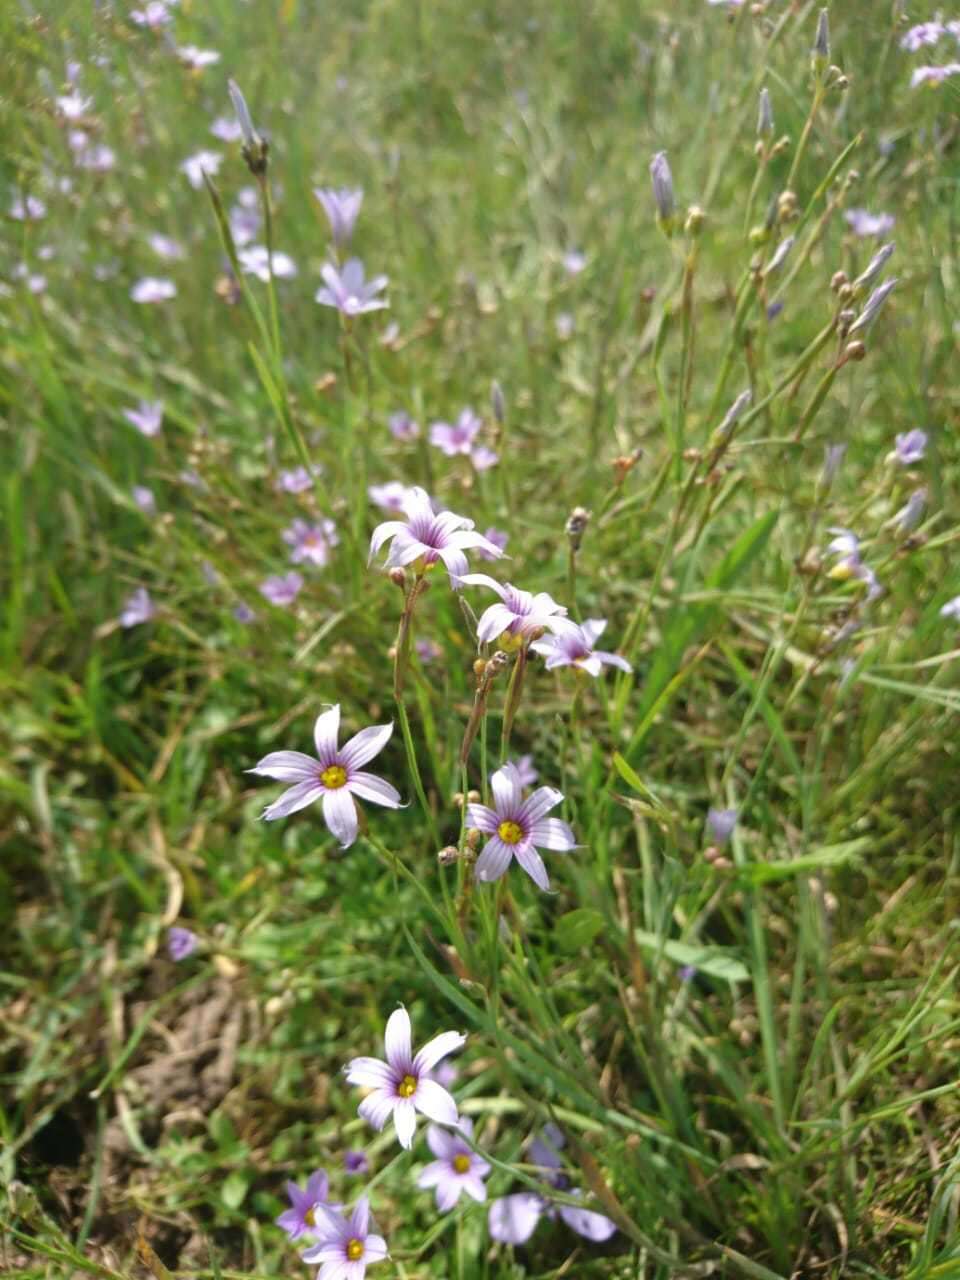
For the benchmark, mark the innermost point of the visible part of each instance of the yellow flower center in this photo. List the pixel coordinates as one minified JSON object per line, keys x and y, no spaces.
{"x":461,"y":1163}
{"x":354,"y":1249}
{"x":509,"y":642}
{"x":310,"y":1218}
{"x":510,"y":832}
{"x":334,"y":776}
{"x":407,"y":1087}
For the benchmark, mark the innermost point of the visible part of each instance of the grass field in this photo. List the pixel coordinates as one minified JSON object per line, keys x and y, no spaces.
{"x":687,"y":394}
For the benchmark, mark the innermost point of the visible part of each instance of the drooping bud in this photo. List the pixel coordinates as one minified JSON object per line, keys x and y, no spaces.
{"x":765,"y":115}
{"x":779,"y":257}
{"x":663,"y":195}
{"x":730,"y":418}
{"x":695,"y":220}
{"x":873,"y":268}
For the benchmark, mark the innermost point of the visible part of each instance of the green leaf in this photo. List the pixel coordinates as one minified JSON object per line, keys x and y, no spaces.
{"x":831,"y":855}
{"x":578,"y":928}
{"x":718,"y":962}
{"x":234,"y":1189}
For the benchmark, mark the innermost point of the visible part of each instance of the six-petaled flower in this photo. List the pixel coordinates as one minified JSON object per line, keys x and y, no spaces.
{"x":517,"y":826}
{"x":457,"y":1167}
{"x":401,"y":1086}
{"x":349,"y":291}
{"x":300,"y":1218}
{"x":428,"y":537}
{"x":344,"y":1247}
{"x":520,"y":614}
{"x":574,"y":647}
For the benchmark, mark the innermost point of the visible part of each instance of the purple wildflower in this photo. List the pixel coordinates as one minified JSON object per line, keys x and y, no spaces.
{"x":924,"y":33}
{"x":27,"y":208}
{"x":227,"y":129}
{"x":429,"y":537}
{"x":402,"y":426}
{"x":334,"y":776}
{"x":345,"y":1246}
{"x":97,"y":159}
{"x":520,"y":614}
{"x":516,"y":827}
{"x":155,"y":14}
{"x":299,"y":1219}
{"x":341,"y":207}
{"x":165,"y":247}
{"x":483,"y":458}
{"x":243,"y":613}
{"x":574,"y":646}
{"x":282,"y":588}
{"x":909,"y":515}
{"x":355,"y":1162}
{"x":721,"y":823}
{"x":458,"y":438}
{"x":200,"y":163}
{"x":390,"y":496}
{"x":862,"y":223}
{"x":401,"y":1086}
{"x":427,"y":650}
{"x":498,"y":538}
{"x":245,"y":218}
{"x":256,"y":260}
{"x":311,"y":542}
{"x":153,"y":289}
{"x":137,"y":608}
{"x":951,"y":609}
{"x":574,"y":262}
{"x":910,"y":448}
{"x":196,"y":59}
{"x":298,"y":480}
{"x":564,"y":325}
{"x":144,"y":499}
{"x":846,"y":545}
{"x":72,"y":106}
{"x":663,"y":195}
{"x":349,"y":291}
{"x":181,"y":943}
{"x":35,"y":282}
{"x":513,"y":1219}
{"x":456,"y":1169}
{"x":147,"y":417}
{"x":525,"y":770}
{"x":934,"y":75}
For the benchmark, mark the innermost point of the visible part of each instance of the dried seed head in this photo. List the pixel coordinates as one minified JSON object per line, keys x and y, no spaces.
{"x":695,"y":220}
{"x":448,"y":855}
{"x":787,"y":206}
{"x":838,"y":280}
{"x":844,"y":320}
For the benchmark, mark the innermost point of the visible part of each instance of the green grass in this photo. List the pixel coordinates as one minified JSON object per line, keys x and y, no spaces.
{"x":791,"y":1109}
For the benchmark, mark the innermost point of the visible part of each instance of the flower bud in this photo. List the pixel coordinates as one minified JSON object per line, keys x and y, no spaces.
{"x":448,"y":855}
{"x":576,"y":526}
{"x":855,"y":351}
{"x":765,"y":114}
{"x":786,"y":206}
{"x":398,"y":577}
{"x":873,"y":306}
{"x":695,"y":220}
{"x":663,"y":195}
{"x":821,"y":44}
{"x":838,"y":280}
{"x":873,"y":268}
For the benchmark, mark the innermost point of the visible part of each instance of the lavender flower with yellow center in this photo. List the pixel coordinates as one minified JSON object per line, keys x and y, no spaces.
{"x":345,"y":1246}
{"x":401,"y":1086}
{"x":574,"y":647}
{"x":311,"y":541}
{"x":520,"y":615}
{"x":300,"y":1218}
{"x":334,"y":776}
{"x":457,"y":1167}
{"x":517,"y":826}
{"x":426,"y":538}
{"x":349,"y":291}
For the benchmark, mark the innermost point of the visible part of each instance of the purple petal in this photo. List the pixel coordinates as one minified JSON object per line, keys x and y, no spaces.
{"x":363,"y":746}
{"x":484,"y":580}
{"x":507,"y":791}
{"x":444,"y":1145}
{"x":360,"y":1218}
{"x":593,"y":629}
{"x":592,"y":665}
{"x":335,"y":1269}
{"x":435,"y":1102}
{"x":388,"y":529}
{"x":287,"y":766}
{"x":532,"y":864}
{"x":375,"y":1248}
{"x":456,"y":563}
{"x":513,"y":1219}
{"x":473,"y":1184}
{"x":369,"y":787}
{"x":432,"y":1174}
{"x":292,"y":800}
{"x":437,"y":1048}
{"x":540,"y":803}
{"x":493,"y":622}
{"x":594,"y":1226}
{"x":340,"y":815}
{"x":377,"y":1108}
{"x":494,"y":860}
{"x":448,"y":1193}
{"x":371,"y":1073}
{"x":396,"y":1041}
{"x":405,"y":1121}
{"x":325,"y":732}
{"x":484,"y":819}
{"x":613,"y":660}
{"x":552,"y":833}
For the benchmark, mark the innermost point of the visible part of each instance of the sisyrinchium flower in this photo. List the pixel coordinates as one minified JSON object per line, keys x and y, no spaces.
{"x":200,"y":163}
{"x":402,"y":426}
{"x":345,"y":1247}
{"x":525,"y":770}
{"x":181,"y":943}
{"x":342,"y":206}
{"x":349,"y":291}
{"x":513,"y":1219}
{"x":574,"y":647}
{"x":401,"y":1086}
{"x":165,"y":246}
{"x":909,"y":448}
{"x":145,"y":500}
{"x":147,"y":417}
{"x":256,"y":260}
{"x":335,"y":776}
{"x":390,"y":496}
{"x":951,"y":609}
{"x":663,"y":196}
{"x":457,"y":1167}
{"x":428,"y":537}
{"x":498,"y":538}
{"x":721,"y":823}
{"x":517,"y":826}
{"x":457,"y":437}
{"x":152,"y":289}
{"x":300,"y":1218}
{"x":863,"y":223}
{"x":355,"y":1162}
{"x":282,"y":588}
{"x":520,"y":614}
{"x":27,"y":208}
{"x":137,"y":608}
{"x":298,"y":480}
{"x":850,"y":564}
{"x":924,"y":33}
{"x":311,"y":542}
{"x":934,"y":75}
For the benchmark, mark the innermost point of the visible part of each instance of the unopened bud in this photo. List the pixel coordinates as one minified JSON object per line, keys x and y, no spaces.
{"x":873,"y":268}
{"x":254,"y":148}
{"x":480,"y":668}
{"x":497,"y":402}
{"x":873,"y":306}
{"x":398,"y":577}
{"x":821,"y":44}
{"x":576,"y":526}
{"x":779,"y":257}
{"x":844,"y":320}
{"x":663,"y":195}
{"x":838,"y":280}
{"x":730,"y":418}
{"x":765,"y":115}
{"x":695,"y":220}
